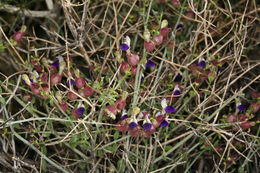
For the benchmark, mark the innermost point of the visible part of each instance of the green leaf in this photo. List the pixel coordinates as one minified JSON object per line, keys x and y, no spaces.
{"x":111,"y":149}
{"x":33,"y":100}
{"x":17,"y":126}
{"x":167,"y":148}
{"x":114,"y":148}
{"x":116,"y":135}
{"x":2,"y":47}
{"x":51,"y":102}
{"x":50,"y":125}
{"x":100,"y":153}
{"x":2,"y":100}
{"x":85,"y":145}
{"x":12,"y":42}
{"x":211,"y":78}
{"x":82,"y":165}
{"x":73,"y":141}
{"x":46,"y":134}
{"x":121,"y":165}
{"x":192,"y":93}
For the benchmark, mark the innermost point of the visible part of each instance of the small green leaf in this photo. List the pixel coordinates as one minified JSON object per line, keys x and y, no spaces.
{"x":12,"y":42}
{"x":52,"y":102}
{"x":85,"y":145}
{"x":82,"y":165}
{"x":2,"y":100}
{"x":211,"y":78}
{"x":2,"y":47}
{"x":121,"y":165}
{"x":192,"y":93}
{"x":100,"y":153}
{"x":111,"y":149}
{"x":50,"y":124}
{"x":73,"y":141}
{"x":46,"y":134}
{"x":167,"y":148}
{"x":33,"y":100}
{"x":116,"y":135}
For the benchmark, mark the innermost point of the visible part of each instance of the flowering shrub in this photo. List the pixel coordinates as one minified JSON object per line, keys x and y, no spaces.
{"x":130,"y":86}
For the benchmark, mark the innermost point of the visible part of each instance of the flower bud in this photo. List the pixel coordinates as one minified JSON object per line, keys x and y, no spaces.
{"x":26,"y":79}
{"x":164,"y":23}
{"x":135,"y":111}
{"x":147,"y":35}
{"x":58,"y":96}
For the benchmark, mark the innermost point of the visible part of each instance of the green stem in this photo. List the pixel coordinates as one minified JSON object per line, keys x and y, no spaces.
{"x":173,"y":148}
{"x":139,"y":73}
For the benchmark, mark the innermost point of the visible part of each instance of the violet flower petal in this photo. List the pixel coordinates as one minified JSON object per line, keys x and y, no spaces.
{"x":132,"y":125}
{"x":142,"y":79}
{"x":55,"y":64}
{"x":202,"y":64}
{"x":73,"y":83}
{"x":177,"y":77}
{"x":124,"y":47}
{"x":147,"y":126}
{"x":149,"y":64}
{"x":241,"y":108}
{"x":179,"y":26}
{"x":24,"y":83}
{"x":123,"y":117}
{"x":164,"y":123}
{"x":177,"y":93}
{"x":219,"y":69}
{"x":169,"y":109}
{"x":80,"y":110}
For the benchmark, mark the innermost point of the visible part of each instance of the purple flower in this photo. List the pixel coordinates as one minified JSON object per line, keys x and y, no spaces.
{"x":177,"y":77}
{"x":142,"y":79}
{"x":147,"y":126}
{"x":124,"y":47}
{"x":123,"y":117}
{"x":179,"y":27}
{"x":26,"y":79}
{"x":26,"y":83}
{"x":164,"y":123}
{"x":133,"y":122}
{"x":202,"y":63}
{"x":176,"y":90}
{"x":219,"y":69}
{"x":80,"y":110}
{"x":55,"y":64}
{"x":73,"y":83}
{"x":169,"y":109}
{"x":241,"y":108}
{"x":149,"y":64}
{"x":177,"y":93}
{"x":132,"y":125}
